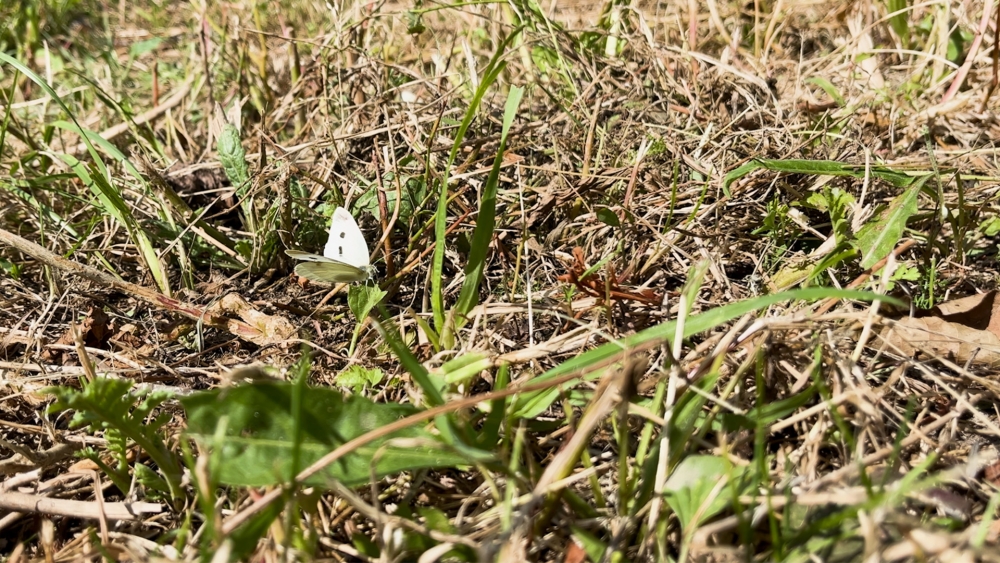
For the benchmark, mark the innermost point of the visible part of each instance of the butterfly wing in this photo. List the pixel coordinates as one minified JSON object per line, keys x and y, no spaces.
{"x":345,"y":257}
{"x":331,"y":271}
{"x":346,"y":243}
{"x":306,"y":256}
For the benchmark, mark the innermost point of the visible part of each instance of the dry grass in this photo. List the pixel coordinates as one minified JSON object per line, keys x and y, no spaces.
{"x":772,"y":427}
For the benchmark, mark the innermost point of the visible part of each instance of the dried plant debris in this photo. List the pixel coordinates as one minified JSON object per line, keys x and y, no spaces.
{"x":966,"y":331}
{"x":633,"y":291}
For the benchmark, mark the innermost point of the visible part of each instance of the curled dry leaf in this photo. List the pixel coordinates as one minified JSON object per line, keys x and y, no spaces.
{"x":963,"y":330}
{"x":95,"y":330}
{"x":272,"y":329}
{"x":992,"y":473}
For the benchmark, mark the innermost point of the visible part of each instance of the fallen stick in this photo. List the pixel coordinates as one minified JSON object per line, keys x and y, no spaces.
{"x":238,"y":328}
{"x":22,"y":502}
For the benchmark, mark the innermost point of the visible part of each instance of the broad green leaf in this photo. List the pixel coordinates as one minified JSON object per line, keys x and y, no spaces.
{"x":256,"y":427}
{"x":608,"y":217}
{"x":436,"y":519}
{"x":877,"y":238}
{"x":357,"y":378}
{"x":362,"y":299}
{"x":990,"y":226}
{"x":693,"y":489}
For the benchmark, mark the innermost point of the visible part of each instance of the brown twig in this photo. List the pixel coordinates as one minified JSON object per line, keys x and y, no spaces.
{"x":236,"y":327}
{"x":130,"y":511}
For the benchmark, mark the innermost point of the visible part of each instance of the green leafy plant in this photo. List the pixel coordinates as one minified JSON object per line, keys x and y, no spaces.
{"x":358,"y":378}
{"x":362,"y":299}
{"x":878,"y":237}
{"x":232,"y":156}
{"x":699,"y":488}
{"x":256,"y":450}
{"x":126,"y":416}
{"x":100,"y":182}
{"x":413,"y":191}
{"x":777,"y":226}
{"x":873,"y":241}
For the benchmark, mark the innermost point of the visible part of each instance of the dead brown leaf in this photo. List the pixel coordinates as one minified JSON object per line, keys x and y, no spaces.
{"x":272,"y":329}
{"x":95,"y":330}
{"x":964,"y":330}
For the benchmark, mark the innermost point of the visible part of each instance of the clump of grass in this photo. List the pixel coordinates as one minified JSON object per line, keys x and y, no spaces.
{"x":631,"y":276}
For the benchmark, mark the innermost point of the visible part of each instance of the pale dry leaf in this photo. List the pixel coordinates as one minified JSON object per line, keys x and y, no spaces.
{"x":962,"y":330}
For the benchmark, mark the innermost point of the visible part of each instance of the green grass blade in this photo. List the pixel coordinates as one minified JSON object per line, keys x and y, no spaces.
{"x":43,"y":210}
{"x":818,"y":167}
{"x":115,"y":204}
{"x":486,"y":220}
{"x":104,"y":144}
{"x":530,"y":405}
{"x":387,"y":329}
{"x":4,"y":57}
{"x":493,"y":70}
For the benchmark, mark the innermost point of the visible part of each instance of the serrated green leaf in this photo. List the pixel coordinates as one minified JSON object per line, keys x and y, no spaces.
{"x":109,"y":404}
{"x":251,"y":428}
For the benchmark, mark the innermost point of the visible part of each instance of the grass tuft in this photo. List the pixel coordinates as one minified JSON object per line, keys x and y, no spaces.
{"x":652,"y":282}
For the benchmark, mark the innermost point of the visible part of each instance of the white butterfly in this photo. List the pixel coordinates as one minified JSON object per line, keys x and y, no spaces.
{"x":345,"y":256}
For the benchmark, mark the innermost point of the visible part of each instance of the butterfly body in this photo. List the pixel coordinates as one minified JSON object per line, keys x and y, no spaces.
{"x":345,"y":256}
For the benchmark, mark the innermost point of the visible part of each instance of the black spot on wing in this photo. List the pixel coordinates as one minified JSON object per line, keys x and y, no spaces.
{"x":342,"y":235}
{"x":340,"y":250}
